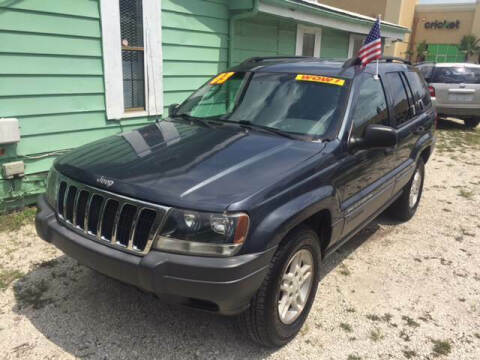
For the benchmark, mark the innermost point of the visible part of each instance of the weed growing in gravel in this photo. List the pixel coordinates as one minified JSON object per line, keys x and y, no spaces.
{"x":441,"y":347}
{"x":354,"y":357}
{"x":376,"y":335}
{"x":346,"y":327}
{"x":409,"y":353}
{"x":48,"y":264}
{"x":404,"y":336}
{"x":387,"y":317}
{"x":351,"y":310}
{"x":344,"y":270}
{"x":410,"y":322}
{"x":15,"y":220}
{"x":33,"y":295}
{"x":373,"y":317}
{"x":467,"y":194}
{"x":8,"y":276}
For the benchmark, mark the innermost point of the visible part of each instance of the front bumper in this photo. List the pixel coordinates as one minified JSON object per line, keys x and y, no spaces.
{"x":223,"y":285}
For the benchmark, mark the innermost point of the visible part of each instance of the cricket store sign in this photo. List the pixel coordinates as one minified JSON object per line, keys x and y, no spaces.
{"x":438,"y":25}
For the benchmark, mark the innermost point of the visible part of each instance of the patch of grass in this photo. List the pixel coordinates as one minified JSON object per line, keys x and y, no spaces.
{"x":410,"y":322}
{"x":34,"y":295}
{"x":376,"y":335}
{"x":346,"y":327}
{"x":344,"y":270}
{"x":409,"y":354}
{"x":15,"y":220}
{"x":441,"y":347}
{"x":8,"y":276}
{"x":353,"y":357}
{"x":467,"y":194}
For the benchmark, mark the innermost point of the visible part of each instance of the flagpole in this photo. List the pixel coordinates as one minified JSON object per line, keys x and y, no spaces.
{"x":376,"y":77}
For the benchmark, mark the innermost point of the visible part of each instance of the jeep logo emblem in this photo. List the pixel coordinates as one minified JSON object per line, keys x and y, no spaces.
{"x":104,"y":181}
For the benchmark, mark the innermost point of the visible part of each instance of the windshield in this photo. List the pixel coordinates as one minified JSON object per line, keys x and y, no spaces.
{"x":292,"y":103}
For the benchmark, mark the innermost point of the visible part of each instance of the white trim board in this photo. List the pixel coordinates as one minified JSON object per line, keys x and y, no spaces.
{"x":308,"y":17}
{"x":112,"y":59}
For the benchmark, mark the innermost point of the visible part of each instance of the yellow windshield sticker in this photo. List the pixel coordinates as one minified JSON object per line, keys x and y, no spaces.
{"x":221,"y":78}
{"x":320,"y":79}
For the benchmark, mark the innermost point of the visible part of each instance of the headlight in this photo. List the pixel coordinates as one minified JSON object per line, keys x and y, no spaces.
{"x":51,"y":187}
{"x":203,"y":233}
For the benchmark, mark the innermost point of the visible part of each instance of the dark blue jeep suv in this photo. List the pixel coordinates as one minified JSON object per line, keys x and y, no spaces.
{"x":231,"y":203}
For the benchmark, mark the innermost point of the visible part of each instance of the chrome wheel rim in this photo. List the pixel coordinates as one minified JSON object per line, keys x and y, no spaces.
{"x":295,"y":286}
{"x":415,"y":188}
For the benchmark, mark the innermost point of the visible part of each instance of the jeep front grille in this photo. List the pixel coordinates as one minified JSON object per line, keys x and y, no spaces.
{"x":114,"y":220}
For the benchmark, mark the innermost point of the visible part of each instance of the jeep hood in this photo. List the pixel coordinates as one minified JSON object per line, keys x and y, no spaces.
{"x":184,"y":165}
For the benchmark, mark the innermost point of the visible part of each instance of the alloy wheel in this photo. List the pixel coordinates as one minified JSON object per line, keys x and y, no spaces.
{"x":295,"y":286}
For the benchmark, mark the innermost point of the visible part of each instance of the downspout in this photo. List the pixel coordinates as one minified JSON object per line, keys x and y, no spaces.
{"x":244,"y":15}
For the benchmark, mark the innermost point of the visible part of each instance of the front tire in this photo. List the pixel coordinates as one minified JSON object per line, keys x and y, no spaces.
{"x":281,"y":305}
{"x":406,"y":205}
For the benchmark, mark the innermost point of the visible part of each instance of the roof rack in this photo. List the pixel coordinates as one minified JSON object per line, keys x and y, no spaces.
{"x":356,"y":61}
{"x":256,"y":59}
{"x":394,"y":58}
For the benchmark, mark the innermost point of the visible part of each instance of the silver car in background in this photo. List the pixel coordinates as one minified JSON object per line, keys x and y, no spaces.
{"x":454,"y":89}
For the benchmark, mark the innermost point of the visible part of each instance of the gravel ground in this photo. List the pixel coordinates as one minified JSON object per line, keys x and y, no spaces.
{"x":396,"y":291}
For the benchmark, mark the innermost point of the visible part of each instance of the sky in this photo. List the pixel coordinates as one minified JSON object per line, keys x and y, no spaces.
{"x":445,"y":1}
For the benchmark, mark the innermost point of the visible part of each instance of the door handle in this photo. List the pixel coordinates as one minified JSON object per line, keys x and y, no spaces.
{"x":419,"y":130}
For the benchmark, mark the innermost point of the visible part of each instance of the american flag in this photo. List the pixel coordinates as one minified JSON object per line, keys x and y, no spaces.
{"x":372,"y":47}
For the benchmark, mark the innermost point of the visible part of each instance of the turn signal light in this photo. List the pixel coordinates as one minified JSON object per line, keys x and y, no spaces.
{"x":432,"y":91}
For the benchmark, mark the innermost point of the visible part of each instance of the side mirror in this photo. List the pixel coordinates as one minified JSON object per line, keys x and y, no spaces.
{"x":172,"y":110}
{"x":375,"y":136}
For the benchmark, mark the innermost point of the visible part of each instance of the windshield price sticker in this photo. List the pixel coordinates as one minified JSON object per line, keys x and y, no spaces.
{"x":221,"y":78}
{"x":320,"y":79}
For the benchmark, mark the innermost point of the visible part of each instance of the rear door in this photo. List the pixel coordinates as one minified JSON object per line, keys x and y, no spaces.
{"x":414,"y":117}
{"x":457,"y":85}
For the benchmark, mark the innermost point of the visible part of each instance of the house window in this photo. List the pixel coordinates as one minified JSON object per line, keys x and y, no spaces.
{"x":356,"y":42}
{"x":308,"y":41}
{"x":131,"y":28}
{"x":132,"y":55}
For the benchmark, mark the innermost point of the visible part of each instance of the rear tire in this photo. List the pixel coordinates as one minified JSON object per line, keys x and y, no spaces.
{"x":472,"y":123}
{"x":406,"y":205}
{"x":271,"y":320}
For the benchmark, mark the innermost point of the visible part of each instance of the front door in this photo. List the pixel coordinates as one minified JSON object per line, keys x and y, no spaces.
{"x":367,"y":183}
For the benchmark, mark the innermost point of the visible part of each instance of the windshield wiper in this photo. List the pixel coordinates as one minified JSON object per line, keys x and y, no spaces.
{"x":270,"y":130}
{"x":193,"y":118}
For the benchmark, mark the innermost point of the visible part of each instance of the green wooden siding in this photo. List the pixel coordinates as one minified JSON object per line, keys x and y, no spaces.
{"x":195,"y":45}
{"x":334,"y":44}
{"x":51,"y":76}
{"x":263,"y":36}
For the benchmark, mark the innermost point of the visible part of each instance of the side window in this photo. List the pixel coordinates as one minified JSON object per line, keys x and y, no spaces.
{"x":371,"y":106}
{"x":401,"y":106}
{"x":419,"y":89}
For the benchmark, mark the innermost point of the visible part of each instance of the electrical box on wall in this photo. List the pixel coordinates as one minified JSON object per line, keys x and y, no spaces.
{"x":9,"y":131}
{"x":13,"y":169}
